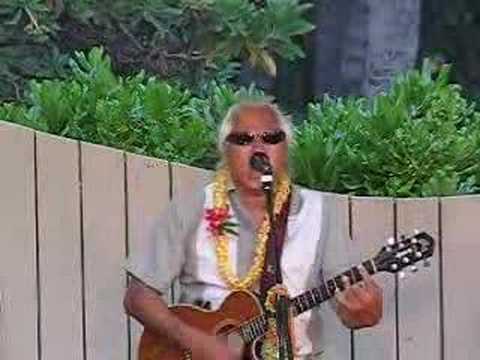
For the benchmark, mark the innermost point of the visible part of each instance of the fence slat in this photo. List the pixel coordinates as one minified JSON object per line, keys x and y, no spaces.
{"x":60,"y":248}
{"x":372,"y":224}
{"x":419,"y":293}
{"x":461,"y":246}
{"x":104,"y":243}
{"x":335,"y":337}
{"x":18,"y":295}
{"x":148,"y":194}
{"x":189,"y":179}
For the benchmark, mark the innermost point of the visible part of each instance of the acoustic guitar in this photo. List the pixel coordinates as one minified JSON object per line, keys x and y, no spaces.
{"x":241,"y":315}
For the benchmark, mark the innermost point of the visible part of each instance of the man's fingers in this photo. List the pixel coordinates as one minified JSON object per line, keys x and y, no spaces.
{"x":346,"y":281}
{"x":359,"y":294}
{"x":368,"y":280}
{"x":350,"y":296}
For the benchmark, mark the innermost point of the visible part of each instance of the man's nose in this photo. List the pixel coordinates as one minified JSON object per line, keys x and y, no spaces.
{"x":258,"y":145}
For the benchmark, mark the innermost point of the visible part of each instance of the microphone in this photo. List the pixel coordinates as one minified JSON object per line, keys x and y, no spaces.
{"x":260,"y":162}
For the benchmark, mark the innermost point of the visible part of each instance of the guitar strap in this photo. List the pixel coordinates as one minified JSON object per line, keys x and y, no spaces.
{"x":272,"y":273}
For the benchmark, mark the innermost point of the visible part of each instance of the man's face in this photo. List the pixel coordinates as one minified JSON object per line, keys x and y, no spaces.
{"x":255,"y":121}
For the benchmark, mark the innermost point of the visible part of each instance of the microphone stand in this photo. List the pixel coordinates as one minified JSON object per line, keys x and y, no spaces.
{"x":282,"y":304}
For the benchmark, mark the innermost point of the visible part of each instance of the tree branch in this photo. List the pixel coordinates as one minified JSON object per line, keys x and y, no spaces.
{"x":184,"y":57}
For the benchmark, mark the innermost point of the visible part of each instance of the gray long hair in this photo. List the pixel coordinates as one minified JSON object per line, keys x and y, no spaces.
{"x":233,"y":115}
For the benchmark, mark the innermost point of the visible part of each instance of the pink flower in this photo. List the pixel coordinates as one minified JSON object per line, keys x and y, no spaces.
{"x":217,"y":219}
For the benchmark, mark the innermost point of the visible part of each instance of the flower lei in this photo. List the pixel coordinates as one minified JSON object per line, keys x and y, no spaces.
{"x":219,"y":226}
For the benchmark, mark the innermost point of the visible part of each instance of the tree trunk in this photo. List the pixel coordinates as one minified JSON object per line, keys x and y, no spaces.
{"x":359,"y":45}
{"x":393,"y":41}
{"x":339,"y":47}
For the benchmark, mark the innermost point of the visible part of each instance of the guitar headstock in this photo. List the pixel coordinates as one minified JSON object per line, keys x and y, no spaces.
{"x":406,"y":252}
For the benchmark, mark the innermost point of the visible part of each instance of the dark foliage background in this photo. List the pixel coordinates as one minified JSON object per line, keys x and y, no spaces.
{"x":449,"y":34}
{"x":188,"y":41}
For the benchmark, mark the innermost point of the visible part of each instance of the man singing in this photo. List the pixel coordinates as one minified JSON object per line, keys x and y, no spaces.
{"x":217,"y":242}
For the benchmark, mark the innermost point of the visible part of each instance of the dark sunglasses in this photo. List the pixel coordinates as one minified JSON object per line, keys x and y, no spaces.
{"x":267,"y":137}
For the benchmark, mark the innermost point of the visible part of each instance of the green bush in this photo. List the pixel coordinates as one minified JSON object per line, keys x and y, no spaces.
{"x":422,"y":138}
{"x":137,"y":114}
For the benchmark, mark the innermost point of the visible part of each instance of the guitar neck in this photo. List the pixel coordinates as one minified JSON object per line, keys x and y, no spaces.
{"x":310,"y":299}
{"x":314,"y":297}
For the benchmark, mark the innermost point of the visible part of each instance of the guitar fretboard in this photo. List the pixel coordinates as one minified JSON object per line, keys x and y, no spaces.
{"x":309,"y":299}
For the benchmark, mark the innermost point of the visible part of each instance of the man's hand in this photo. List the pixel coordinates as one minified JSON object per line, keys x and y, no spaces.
{"x":360,"y":305}
{"x":148,"y":307}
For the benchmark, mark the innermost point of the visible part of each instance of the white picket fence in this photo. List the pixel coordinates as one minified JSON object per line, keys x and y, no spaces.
{"x":70,"y":212}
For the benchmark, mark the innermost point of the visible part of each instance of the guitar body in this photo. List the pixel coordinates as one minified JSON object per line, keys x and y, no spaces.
{"x":238,"y":308}
{"x":241,"y":308}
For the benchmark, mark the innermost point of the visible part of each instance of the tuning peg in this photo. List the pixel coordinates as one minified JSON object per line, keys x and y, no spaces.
{"x":401,"y":275}
{"x":405,"y":260}
{"x":418,"y":254}
{"x":401,"y":245}
{"x":391,"y":241}
{"x":426,"y":263}
{"x":394,"y":267}
{"x":416,"y":231}
{"x":414,"y":241}
{"x":388,"y":249}
{"x":413,"y":269}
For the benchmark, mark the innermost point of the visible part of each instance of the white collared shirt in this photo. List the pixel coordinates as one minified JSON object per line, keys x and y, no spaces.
{"x":180,"y":247}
